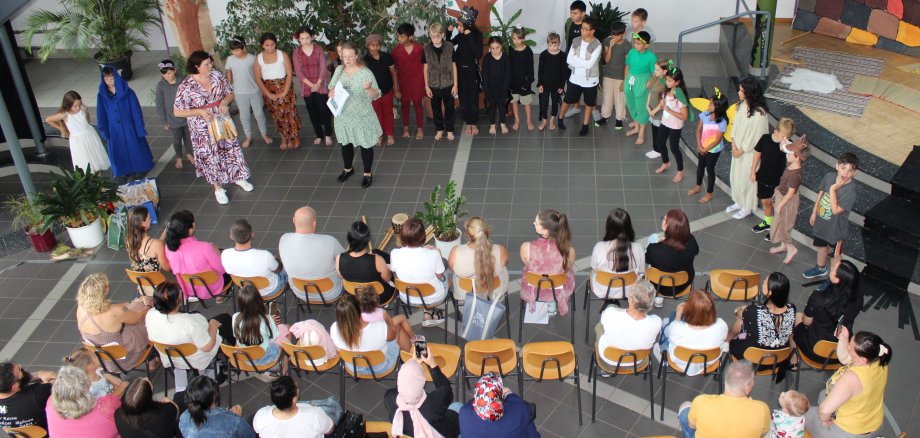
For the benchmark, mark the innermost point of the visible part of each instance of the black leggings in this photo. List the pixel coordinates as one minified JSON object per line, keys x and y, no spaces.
{"x":320,"y":116}
{"x":671,"y":136}
{"x":499,"y":108}
{"x":707,"y":163}
{"x":226,"y":328}
{"x":348,"y":157}
{"x":546,"y":98}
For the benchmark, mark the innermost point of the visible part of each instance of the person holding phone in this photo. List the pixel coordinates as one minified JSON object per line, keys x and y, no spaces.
{"x":416,"y":413}
{"x":826,"y":310}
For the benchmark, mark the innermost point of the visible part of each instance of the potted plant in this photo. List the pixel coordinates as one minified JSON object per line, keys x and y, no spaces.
{"x":606,"y":16}
{"x":443,"y":213}
{"x":113,"y":28}
{"x":28,"y":216}
{"x":80,"y":201}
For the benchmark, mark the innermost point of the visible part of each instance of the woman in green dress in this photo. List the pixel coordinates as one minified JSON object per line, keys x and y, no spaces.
{"x":356,"y":126}
{"x":640,"y":64}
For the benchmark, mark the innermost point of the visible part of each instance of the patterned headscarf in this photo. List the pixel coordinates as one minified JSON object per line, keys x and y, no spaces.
{"x":488,"y":399}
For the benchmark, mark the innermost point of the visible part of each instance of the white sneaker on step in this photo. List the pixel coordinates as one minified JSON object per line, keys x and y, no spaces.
{"x":221,"y":196}
{"x":246,"y":185}
{"x":741,"y":214}
{"x":652,"y":154}
{"x":732,"y":208}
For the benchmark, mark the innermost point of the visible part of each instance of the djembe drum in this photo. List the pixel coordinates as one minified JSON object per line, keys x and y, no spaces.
{"x":397,"y":222}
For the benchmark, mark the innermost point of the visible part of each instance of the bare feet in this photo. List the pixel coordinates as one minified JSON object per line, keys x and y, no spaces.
{"x":492,"y":129}
{"x":438,"y":135}
{"x":405,"y":133}
{"x":694,"y":190}
{"x":790,"y":254}
{"x":317,"y":141}
{"x":247,"y":142}
{"x":390,"y":140}
{"x":504,"y":128}
{"x":663,"y":167}
{"x":529,"y":125}
{"x":266,"y":139}
{"x":475,"y":130}
{"x":552,"y":124}
{"x":450,"y":135}
{"x":632,"y":132}
{"x":679,"y":177}
{"x":329,"y":140}
{"x":419,"y":134}
{"x":640,"y":139}
{"x":178,"y":163}
{"x":516,"y":125}
{"x":706,"y":198}
{"x":778,"y":249}
{"x":190,"y":158}
{"x":542,"y":125}
{"x":284,"y":144}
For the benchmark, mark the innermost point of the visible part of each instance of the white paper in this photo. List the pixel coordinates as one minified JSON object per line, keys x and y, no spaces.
{"x":336,"y":103}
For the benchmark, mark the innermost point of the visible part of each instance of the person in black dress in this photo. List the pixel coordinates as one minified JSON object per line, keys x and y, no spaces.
{"x":142,"y":417}
{"x":838,"y":304}
{"x":496,"y":82}
{"x":467,"y":53}
{"x":676,"y":252}
{"x":552,"y":74}
{"x":361,"y":265}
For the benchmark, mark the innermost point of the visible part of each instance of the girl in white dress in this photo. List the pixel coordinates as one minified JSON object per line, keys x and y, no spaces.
{"x":86,"y":149}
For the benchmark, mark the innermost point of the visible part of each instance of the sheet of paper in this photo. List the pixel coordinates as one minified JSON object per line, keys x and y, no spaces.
{"x":336,"y":103}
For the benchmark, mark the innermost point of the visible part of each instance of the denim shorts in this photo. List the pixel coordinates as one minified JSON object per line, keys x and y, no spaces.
{"x":391,"y":355}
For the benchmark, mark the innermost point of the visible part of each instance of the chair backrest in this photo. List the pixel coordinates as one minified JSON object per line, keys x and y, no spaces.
{"x":379,"y":427}
{"x":728,"y":284}
{"x":369,"y":359}
{"x":447,"y":356}
{"x":175,"y":352}
{"x":200,"y":279}
{"x":826,"y":350}
{"x":26,"y":432}
{"x":150,"y":279}
{"x":466,"y":283}
{"x":107,"y":352}
{"x":317,"y":286}
{"x":352,"y":287}
{"x":305,"y":357}
{"x":700,"y":357}
{"x":638,"y":358}
{"x":242,"y":358}
{"x":259,"y":282}
{"x":666,"y":279}
{"x":612,"y":280}
{"x":495,"y":355}
{"x":545,"y":281}
{"x":548,"y":360}
{"x":414,"y":289}
{"x":767,"y":358}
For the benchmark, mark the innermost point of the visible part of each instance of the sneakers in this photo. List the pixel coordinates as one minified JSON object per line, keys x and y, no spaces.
{"x":246,"y":185}
{"x":659,"y":302}
{"x":221,"y":196}
{"x":652,"y":154}
{"x":760,"y":228}
{"x":823,"y":285}
{"x":741,"y":214}
{"x":600,"y":122}
{"x":367,"y":181}
{"x":619,"y":125}
{"x":767,"y":238}
{"x":345,"y":175}
{"x":732,"y":208}
{"x":817,"y":271}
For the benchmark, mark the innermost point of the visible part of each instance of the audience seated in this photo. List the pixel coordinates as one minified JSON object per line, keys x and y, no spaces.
{"x":188,"y":255}
{"x":253,"y":326}
{"x":140,"y":416}
{"x":360,"y":265}
{"x":23,"y":396}
{"x":289,"y":417}
{"x":350,"y":332}
{"x":72,"y":410}
{"x":838,"y":304}
{"x":100,"y":383}
{"x":312,"y":332}
{"x":618,"y":252}
{"x":205,"y":418}
{"x":767,"y":324}
{"x":147,"y":254}
{"x":416,"y":262}
{"x":629,"y":329}
{"x":693,"y":325}
{"x":100,"y":322}
{"x":308,"y":255}
{"x":496,"y":412}
{"x":479,"y":258}
{"x":372,"y":312}
{"x":676,"y":251}
{"x":552,"y":253}
{"x":245,"y":261}
{"x":732,"y":412}
{"x":419,"y":414}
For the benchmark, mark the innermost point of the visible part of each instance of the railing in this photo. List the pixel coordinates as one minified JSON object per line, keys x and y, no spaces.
{"x":738,"y":14}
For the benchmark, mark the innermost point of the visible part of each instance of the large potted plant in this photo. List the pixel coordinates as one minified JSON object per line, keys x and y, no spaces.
{"x":443,"y":213}
{"x":606,"y":17}
{"x":111,"y":27}
{"x":80,"y":201}
{"x":28,"y":216}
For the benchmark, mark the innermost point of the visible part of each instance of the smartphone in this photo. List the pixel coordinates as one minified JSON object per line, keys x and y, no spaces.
{"x":421,"y":347}
{"x":839,"y":325}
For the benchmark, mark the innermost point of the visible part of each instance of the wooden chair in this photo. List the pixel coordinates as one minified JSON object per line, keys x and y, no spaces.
{"x":690,"y":356}
{"x":728,"y":284}
{"x":262,"y":283}
{"x":202,"y":280}
{"x":146,"y":281}
{"x":243,"y":359}
{"x":552,"y":360}
{"x":498,"y":356}
{"x":542,"y":282}
{"x":26,"y":432}
{"x":621,"y":281}
{"x":379,"y":427}
{"x":639,"y":365}
{"x":175,"y":352}
{"x":769,"y":362}
{"x":368,"y":359}
{"x":112,"y":353}
{"x":669,"y":279}
{"x":826,"y":350}
{"x":352,"y":287}
{"x":423,"y":291}
{"x":319,"y":287}
{"x":466,"y":285}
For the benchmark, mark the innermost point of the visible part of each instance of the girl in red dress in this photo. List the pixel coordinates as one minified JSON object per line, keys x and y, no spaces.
{"x":410,"y":81}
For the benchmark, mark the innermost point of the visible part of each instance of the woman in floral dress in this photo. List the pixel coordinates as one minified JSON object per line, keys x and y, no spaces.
{"x":356,"y":126}
{"x":274,"y":75}
{"x":204,"y":94}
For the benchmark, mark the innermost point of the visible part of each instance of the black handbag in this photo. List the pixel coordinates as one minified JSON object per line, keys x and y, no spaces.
{"x":351,"y":425}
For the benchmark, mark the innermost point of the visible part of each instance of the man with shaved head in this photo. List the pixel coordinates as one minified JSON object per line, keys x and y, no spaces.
{"x":307,"y":255}
{"x":731,"y":413}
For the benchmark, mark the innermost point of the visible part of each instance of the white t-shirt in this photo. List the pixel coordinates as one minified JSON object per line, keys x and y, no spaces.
{"x":244,"y":80}
{"x":623,"y":332}
{"x":309,"y":422}
{"x":182,"y":328}
{"x":601,"y":262}
{"x":580,"y":66}
{"x":373,"y":337}
{"x":252,"y":263}
{"x":419,"y":265}
{"x":681,"y":334}
{"x":311,"y":256}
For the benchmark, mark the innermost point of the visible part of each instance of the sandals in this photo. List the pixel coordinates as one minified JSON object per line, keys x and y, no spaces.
{"x":435,"y":317}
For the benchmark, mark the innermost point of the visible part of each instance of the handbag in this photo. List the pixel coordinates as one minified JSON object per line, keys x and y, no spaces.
{"x":481,"y":319}
{"x":115,"y":235}
{"x":351,"y":425}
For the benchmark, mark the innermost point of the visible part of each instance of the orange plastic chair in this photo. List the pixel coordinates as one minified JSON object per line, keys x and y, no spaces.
{"x":466,"y":285}
{"x":26,"y":432}
{"x":146,"y":281}
{"x":543,"y":282}
{"x":368,"y":359}
{"x":262,"y":283}
{"x":690,"y":356}
{"x":669,"y":280}
{"x":613,"y":281}
{"x":113,"y":353}
{"x":498,"y":356}
{"x":554,"y":360}
{"x":423,"y":291}
{"x":174,"y":352}
{"x":826,"y":350}
{"x":202,"y":280}
{"x":727,"y":284}
{"x":243,"y":359}
{"x":314,"y":287}
{"x":639,"y":365}
{"x":768,"y":362}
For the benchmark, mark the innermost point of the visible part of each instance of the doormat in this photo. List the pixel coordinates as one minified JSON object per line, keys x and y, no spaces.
{"x":898,"y":94}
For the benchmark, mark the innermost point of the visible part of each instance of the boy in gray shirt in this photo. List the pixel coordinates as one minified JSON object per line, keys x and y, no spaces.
{"x":164,"y":98}
{"x":615,"y":50}
{"x":830,"y":216}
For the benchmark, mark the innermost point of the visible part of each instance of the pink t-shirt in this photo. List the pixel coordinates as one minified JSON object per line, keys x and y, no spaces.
{"x":193,"y":257}
{"x":98,"y":423}
{"x":667,"y":119}
{"x":376,"y":315}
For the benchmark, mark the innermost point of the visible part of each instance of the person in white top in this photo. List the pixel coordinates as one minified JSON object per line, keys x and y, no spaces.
{"x":308,"y":255}
{"x":73,"y":120}
{"x":350,"y":332}
{"x":618,"y":252}
{"x":629,"y":329}
{"x":583,"y":59}
{"x":480,"y":258}
{"x":240,"y":73}
{"x":695,"y":326}
{"x":274,"y":76}
{"x":415,"y":263}
{"x":245,"y":261}
{"x":288,"y":417}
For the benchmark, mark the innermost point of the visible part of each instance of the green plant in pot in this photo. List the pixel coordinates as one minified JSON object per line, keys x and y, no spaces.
{"x":443,"y":211}
{"x":27,"y":215}
{"x":606,"y":16}
{"x":505,"y":28}
{"x":80,"y":201}
{"x":112,"y":27}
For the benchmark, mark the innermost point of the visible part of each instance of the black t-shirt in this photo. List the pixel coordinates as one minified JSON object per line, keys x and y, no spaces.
{"x":772,"y":160}
{"x":438,"y":51}
{"x":381,"y":70}
{"x":161,"y":421}
{"x":668,"y":259}
{"x":574,"y":32}
{"x":26,"y":407}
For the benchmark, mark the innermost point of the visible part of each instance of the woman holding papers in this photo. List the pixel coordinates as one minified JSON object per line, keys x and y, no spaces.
{"x":352,"y":90}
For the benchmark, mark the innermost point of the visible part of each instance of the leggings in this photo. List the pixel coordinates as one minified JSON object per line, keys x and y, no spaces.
{"x":348,"y":156}
{"x":254,"y":101}
{"x":443,"y":120}
{"x":320,"y":116}
{"x":497,"y":107}
{"x":384,"y":109}
{"x":419,"y":112}
{"x":181,"y":134}
{"x":672,"y":136}
{"x":707,"y":163}
{"x":549,"y":103}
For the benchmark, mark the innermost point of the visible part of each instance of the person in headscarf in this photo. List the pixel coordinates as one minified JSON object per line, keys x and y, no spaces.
{"x":421,"y":415}
{"x":121,"y":124}
{"x":496,"y":412}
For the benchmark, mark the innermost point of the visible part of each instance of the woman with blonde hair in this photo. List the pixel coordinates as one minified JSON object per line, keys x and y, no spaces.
{"x":101,"y":322}
{"x":479,"y":258}
{"x":552,"y":253}
{"x":72,"y":408}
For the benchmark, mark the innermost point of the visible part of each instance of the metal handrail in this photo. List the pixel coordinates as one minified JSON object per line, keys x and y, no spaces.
{"x":738,"y":14}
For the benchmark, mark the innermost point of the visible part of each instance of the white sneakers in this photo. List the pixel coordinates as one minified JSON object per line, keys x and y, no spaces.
{"x":221,"y":196}
{"x":652,"y":154}
{"x":741,"y":214}
{"x":246,"y":185}
{"x":732,"y":208}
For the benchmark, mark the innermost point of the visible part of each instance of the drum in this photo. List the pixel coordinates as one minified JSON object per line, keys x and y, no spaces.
{"x":398,"y":220}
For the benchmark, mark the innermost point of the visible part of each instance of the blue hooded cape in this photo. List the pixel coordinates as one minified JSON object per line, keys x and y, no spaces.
{"x":121,"y":124}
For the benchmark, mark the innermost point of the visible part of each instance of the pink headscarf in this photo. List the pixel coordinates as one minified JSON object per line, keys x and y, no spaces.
{"x":410,"y":386}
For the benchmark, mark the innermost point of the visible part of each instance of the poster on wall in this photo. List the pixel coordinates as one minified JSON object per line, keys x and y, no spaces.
{"x":191,"y":24}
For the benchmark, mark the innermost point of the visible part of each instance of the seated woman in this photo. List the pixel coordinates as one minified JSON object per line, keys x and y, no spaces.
{"x":632,"y":328}
{"x":496,"y":412}
{"x":205,"y":417}
{"x":676,"y":252}
{"x":311,"y":332}
{"x":552,"y":253}
{"x":72,"y":410}
{"x":694,"y":325}
{"x":253,"y":326}
{"x":372,"y":312}
{"x":479,"y":258}
{"x":416,"y":262}
{"x":147,"y":254}
{"x":416,"y":413}
{"x":351,"y":333}
{"x":358,"y":264}
{"x":618,"y":253}
{"x":100,"y":322}
{"x":288,"y":417}
{"x":853,"y":402}
{"x":141,"y":416}
{"x":838,"y":304}
{"x":768,"y":324}
{"x":187,"y":255}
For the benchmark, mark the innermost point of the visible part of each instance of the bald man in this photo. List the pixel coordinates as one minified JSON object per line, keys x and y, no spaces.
{"x":307,"y":255}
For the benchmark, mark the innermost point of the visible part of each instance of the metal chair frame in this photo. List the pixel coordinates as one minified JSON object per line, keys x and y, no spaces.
{"x":545,"y":278}
{"x":627,"y":356}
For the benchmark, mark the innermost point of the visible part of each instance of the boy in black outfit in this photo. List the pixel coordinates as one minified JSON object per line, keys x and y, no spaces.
{"x":772,"y":162}
{"x":552,"y":73}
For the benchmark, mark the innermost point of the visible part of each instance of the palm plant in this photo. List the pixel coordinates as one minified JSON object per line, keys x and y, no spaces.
{"x":443,"y":213}
{"x":77,"y":198}
{"x":606,"y":16}
{"x":26,"y":215}
{"x":505,"y":28}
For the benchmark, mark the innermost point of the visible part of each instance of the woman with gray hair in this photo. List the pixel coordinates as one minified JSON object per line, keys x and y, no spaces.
{"x":632,"y":328}
{"x":72,"y":410}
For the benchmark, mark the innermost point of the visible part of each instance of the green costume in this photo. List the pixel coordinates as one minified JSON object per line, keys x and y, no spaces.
{"x":641,"y":68}
{"x":357,"y":124}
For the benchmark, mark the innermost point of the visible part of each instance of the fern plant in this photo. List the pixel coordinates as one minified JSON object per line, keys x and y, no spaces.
{"x":443,"y":213}
{"x":504,"y":28}
{"x":26,"y":215}
{"x":606,"y":16}
{"x":77,"y":198}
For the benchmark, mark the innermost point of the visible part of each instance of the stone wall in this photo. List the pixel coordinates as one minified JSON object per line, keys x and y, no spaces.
{"x":892,"y":25}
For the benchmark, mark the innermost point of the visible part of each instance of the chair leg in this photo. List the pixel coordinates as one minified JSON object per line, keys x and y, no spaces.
{"x":572,"y":308}
{"x":592,"y":374}
{"x":521,"y":322}
{"x":507,"y":316}
{"x":342,"y":384}
{"x":587,"y":308}
{"x":462,"y":381}
{"x":651,"y":393}
{"x":446,"y":314}
{"x":520,"y":372}
{"x":664,"y":388}
{"x":584,"y":305}
{"x":578,"y":389}
{"x":166,"y":382}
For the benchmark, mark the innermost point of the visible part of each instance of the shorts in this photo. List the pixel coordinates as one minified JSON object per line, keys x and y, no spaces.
{"x":573,"y":94}
{"x":391,"y":355}
{"x":765,"y":190}
{"x":836,"y":248}
{"x":524,"y":99}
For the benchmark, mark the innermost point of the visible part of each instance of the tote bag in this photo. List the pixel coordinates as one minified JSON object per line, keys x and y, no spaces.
{"x":481,"y":318}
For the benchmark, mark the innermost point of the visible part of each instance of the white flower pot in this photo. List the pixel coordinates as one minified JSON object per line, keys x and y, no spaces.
{"x":445,"y":247}
{"x":89,"y":236}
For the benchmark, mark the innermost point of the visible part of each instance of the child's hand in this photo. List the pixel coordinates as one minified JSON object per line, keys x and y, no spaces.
{"x":540,"y":88}
{"x":166,"y":127}
{"x":753,"y":177}
{"x":453,"y":90}
{"x":811,"y":220}
{"x":428,"y":92}
{"x":621,"y":87}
